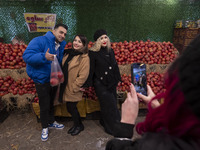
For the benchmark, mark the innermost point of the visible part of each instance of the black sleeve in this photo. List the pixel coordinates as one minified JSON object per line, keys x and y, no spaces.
{"x":153,"y":141}
{"x":123,"y":130}
{"x":89,"y":81}
{"x":116,"y":144}
{"x":123,"y":133}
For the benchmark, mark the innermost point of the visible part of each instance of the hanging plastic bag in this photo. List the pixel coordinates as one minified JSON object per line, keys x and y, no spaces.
{"x":57,"y":76}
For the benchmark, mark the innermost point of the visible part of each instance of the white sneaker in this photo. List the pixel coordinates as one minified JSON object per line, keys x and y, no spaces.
{"x":56,"y":125}
{"x":44,"y":135}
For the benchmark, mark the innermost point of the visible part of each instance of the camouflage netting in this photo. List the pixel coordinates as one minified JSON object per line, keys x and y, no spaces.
{"x":123,"y":19}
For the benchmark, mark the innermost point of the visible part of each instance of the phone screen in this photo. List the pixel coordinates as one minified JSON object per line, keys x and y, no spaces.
{"x":139,"y":78}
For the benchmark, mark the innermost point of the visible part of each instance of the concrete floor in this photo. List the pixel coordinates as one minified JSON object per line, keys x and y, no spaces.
{"x":21,"y":131}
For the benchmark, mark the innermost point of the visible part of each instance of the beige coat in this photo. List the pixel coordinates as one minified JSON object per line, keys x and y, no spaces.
{"x":78,"y":71}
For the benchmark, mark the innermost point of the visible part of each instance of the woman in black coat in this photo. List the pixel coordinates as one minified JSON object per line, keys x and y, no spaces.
{"x":173,"y":125}
{"x":104,"y":76}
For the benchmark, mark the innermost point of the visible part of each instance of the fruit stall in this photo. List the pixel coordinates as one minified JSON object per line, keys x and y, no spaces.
{"x":17,"y":90}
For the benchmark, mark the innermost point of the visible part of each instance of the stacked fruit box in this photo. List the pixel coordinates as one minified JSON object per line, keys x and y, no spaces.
{"x":183,"y":36}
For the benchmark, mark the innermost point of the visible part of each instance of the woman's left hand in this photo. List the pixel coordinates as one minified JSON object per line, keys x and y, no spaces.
{"x":130,"y":107}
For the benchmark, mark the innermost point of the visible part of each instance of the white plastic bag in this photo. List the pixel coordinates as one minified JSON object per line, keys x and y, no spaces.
{"x":57,"y":76}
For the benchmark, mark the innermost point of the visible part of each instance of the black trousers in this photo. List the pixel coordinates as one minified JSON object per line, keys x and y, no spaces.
{"x":46,"y":94}
{"x":72,"y":109}
{"x":108,"y":103}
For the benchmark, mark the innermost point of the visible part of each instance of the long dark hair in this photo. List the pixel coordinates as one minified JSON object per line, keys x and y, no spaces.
{"x":84,"y":41}
{"x":178,"y":115}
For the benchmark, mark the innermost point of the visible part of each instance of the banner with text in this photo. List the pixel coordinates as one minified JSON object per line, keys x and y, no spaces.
{"x":40,"y":22}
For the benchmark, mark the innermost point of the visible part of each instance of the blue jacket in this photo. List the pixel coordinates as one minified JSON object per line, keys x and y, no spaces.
{"x":38,"y":67}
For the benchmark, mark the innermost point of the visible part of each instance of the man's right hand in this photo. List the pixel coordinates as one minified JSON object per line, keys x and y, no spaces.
{"x":49,"y":56}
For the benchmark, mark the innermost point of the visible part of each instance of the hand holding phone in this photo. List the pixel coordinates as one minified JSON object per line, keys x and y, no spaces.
{"x":150,"y":94}
{"x":139,"y":78}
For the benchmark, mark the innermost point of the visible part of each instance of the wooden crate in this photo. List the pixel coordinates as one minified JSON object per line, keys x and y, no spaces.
{"x":183,"y":36}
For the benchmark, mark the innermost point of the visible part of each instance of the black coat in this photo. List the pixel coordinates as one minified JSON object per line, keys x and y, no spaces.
{"x":149,"y":141}
{"x":103,"y":66}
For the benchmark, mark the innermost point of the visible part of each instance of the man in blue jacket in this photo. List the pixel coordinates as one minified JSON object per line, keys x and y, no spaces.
{"x":38,"y":57}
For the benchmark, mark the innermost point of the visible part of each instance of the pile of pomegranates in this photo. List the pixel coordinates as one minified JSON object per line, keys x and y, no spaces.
{"x":21,"y":86}
{"x":148,"y":52}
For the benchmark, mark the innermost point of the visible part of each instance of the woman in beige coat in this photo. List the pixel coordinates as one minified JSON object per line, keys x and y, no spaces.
{"x":75,"y":66}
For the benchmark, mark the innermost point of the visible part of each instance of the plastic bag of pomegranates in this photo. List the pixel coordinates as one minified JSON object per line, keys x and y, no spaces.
{"x":57,"y":76}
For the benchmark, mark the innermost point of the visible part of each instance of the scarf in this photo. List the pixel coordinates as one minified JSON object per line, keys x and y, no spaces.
{"x":71,"y":53}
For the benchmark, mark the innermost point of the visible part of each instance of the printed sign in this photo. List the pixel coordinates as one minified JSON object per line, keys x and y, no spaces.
{"x":40,"y":22}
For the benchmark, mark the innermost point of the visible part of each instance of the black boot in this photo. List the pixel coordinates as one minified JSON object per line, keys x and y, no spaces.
{"x":77,"y":130}
{"x":71,"y":130}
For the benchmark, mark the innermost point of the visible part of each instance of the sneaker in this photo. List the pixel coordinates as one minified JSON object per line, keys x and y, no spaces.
{"x":56,"y":125}
{"x":44,"y":135}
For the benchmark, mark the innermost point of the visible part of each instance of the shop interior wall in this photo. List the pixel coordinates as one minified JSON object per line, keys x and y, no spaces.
{"x":123,"y":19}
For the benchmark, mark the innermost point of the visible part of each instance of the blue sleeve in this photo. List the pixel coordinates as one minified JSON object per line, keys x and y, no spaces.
{"x":34,"y":54}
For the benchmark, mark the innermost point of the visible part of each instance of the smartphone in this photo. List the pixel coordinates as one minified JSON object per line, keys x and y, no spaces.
{"x":139,"y":77}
